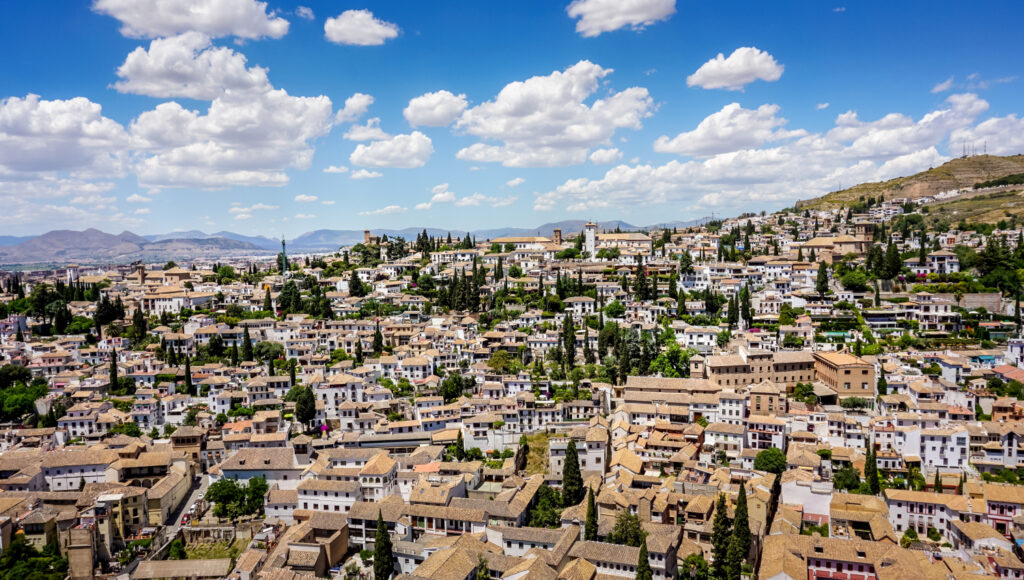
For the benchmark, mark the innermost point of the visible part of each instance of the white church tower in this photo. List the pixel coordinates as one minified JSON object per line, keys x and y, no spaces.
{"x":590,"y":239}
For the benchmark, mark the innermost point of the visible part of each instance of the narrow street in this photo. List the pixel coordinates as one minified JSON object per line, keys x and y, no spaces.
{"x":175,"y":524}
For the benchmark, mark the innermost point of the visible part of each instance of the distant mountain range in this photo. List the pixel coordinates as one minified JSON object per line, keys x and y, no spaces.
{"x":94,"y":246}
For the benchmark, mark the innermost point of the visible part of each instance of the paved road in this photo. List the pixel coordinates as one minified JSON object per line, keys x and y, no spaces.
{"x":172,"y":529}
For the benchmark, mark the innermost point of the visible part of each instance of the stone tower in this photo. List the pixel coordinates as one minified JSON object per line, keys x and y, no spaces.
{"x":590,"y":238}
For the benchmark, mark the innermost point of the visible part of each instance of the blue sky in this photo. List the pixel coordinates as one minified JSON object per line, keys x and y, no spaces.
{"x":224,"y":114}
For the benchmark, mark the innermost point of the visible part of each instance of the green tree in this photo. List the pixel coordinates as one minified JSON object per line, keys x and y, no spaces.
{"x":871,"y":470}
{"x":460,"y":447}
{"x":572,"y":480}
{"x":771,"y":460}
{"x":246,"y":345}
{"x":694,"y":567}
{"x":821,"y":283}
{"x":378,"y":341}
{"x":721,"y":535}
{"x":113,"y":368}
{"x":590,"y":526}
{"x":305,"y":406}
{"x":128,"y":428}
{"x":355,"y":286}
{"x":628,"y":530}
{"x":177,"y":551}
{"x":741,"y":523}
{"x":643,"y":565}
{"x":846,"y":478}
{"x":383,"y":555}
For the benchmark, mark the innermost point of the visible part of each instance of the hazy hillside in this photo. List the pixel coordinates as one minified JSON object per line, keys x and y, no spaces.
{"x":259,"y":241}
{"x":955,"y":174}
{"x":92,"y":246}
{"x":13,"y":240}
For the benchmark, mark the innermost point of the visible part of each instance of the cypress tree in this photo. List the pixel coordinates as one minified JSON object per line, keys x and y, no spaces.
{"x":937,"y":485}
{"x":460,"y":447}
{"x":572,"y":480}
{"x":821,"y":283}
{"x":113,"y":369}
{"x":871,"y":470}
{"x":305,"y":407}
{"x":234,"y":355}
{"x":359,"y":350}
{"x":378,"y":341}
{"x":590,"y":527}
{"x":267,"y":305}
{"x":246,"y":345}
{"x":741,"y":526}
{"x":383,"y":557}
{"x":643,"y":565}
{"x":720,"y":536}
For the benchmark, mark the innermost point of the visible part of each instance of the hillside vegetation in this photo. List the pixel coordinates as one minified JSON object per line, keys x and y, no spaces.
{"x":958,"y":173}
{"x":991,"y":208}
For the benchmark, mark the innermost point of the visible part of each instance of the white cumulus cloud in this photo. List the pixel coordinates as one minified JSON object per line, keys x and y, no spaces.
{"x":821,"y":106}
{"x":38,"y":135}
{"x":998,"y":135}
{"x":336,"y":169}
{"x":366,"y":174}
{"x":605,"y":156}
{"x":441,"y":195}
{"x":437,"y":109}
{"x":943,"y":86}
{"x":303,"y":198}
{"x":730,"y":129}
{"x":853,"y":151}
{"x":598,"y":16}
{"x":370,"y":131}
{"x":389,"y":210}
{"x":240,"y":140}
{"x":304,"y":12}
{"x":154,"y":18}
{"x":136,"y":198}
{"x":744,"y":66}
{"x":515,"y":182}
{"x":355,"y":107}
{"x":406,"y":151}
{"x":545,"y":121}
{"x":188,"y":65}
{"x":358,"y":27}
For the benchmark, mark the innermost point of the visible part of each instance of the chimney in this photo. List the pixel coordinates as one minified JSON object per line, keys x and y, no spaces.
{"x":557,"y":235}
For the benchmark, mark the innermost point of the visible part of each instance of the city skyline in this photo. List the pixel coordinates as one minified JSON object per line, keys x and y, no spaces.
{"x":280,"y":118}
